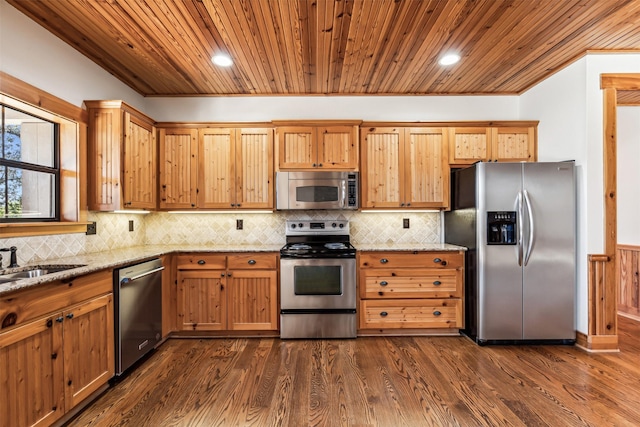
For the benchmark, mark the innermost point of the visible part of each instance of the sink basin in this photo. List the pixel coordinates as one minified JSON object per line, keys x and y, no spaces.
{"x":34,"y":271}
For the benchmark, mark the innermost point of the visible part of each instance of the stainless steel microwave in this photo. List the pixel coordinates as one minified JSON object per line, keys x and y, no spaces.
{"x":316,"y":190}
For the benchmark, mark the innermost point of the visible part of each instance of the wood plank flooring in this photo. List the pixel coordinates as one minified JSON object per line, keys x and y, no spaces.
{"x":391,"y":381}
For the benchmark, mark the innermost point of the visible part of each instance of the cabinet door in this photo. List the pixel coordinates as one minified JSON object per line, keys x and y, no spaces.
{"x":253,"y":301}
{"x":426,"y":171}
{"x":88,"y":348}
{"x":216,"y":169}
{"x":297,"y":148}
{"x":468,"y":145}
{"x":103,"y":158}
{"x":381,"y":152}
{"x":178,"y":168}
{"x":337,"y":147}
{"x":140,"y":166}
{"x":511,"y":144}
{"x":201,"y":300}
{"x":31,"y":374}
{"x":254,"y":168}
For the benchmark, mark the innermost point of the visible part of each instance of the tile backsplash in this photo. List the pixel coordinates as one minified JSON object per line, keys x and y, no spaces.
{"x":160,"y":228}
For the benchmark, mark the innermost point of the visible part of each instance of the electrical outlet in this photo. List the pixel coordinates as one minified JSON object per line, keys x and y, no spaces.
{"x":91,"y":228}
{"x":405,"y":222}
{"x":130,"y":225}
{"x":239,"y":224}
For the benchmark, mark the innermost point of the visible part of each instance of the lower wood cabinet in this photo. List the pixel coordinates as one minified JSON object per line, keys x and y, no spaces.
{"x":228,"y":292}
{"x":411,"y":290}
{"x":54,"y":353}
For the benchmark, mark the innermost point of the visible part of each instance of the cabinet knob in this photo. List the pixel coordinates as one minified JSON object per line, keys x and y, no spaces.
{"x":59,"y":319}
{"x":401,"y":204}
{"x":251,"y":262}
{"x":228,"y":274}
{"x":440,"y":261}
{"x":233,"y":205}
{"x":384,"y":283}
{"x":238,"y":205}
{"x":193,"y":205}
{"x":222,"y":274}
{"x":437,"y":283}
{"x":408,"y":204}
{"x":49,"y":323}
{"x":384,"y":261}
{"x":70,"y":316}
{"x":314,"y":165}
{"x":201,"y":262}
{"x":54,"y":356}
{"x":384,"y":314}
{"x":436,"y":313}
{"x":319,"y":165}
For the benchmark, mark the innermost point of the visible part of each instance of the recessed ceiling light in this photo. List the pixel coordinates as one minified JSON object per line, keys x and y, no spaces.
{"x":222,"y":60}
{"x":449,"y":59}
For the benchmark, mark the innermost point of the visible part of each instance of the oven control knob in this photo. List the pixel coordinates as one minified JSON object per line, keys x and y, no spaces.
{"x":341,"y":225}
{"x":300,"y":225}
{"x":334,"y":225}
{"x":293,"y":226}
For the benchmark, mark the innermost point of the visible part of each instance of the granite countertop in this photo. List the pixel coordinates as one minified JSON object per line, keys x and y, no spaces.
{"x":117,"y":258}
{"x":443,"y":247}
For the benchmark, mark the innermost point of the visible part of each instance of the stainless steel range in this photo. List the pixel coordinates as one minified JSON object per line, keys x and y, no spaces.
{"x":317,"y":281}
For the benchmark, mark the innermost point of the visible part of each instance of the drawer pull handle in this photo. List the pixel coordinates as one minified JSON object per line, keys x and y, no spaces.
{"x":437,"y":260}
{"x":251,"y":261}
{"x":201,"y":262}
{"x":384,"y":261}
{"x":384,"y":283}
{"x":384,"y":314}
{"x":437,"y":283}
{"x":437,"y":313}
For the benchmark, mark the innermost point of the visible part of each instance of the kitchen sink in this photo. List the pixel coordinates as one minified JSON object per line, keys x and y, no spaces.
{"x":34,"y":271}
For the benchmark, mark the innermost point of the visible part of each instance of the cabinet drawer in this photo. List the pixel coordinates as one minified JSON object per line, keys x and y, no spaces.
{"x":202,"y":262}
{"x":411,"y":283}
{"x":417,"y":259}
{"x":40,"y":300}
{"x":407,"y":314}
{"x":260,"y":261}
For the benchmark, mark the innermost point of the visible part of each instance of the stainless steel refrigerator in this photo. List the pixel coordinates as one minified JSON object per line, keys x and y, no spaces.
{"x":518,"y":221}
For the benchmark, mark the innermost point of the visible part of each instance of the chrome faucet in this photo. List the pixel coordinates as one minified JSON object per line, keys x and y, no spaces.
{"x":13,"y":260}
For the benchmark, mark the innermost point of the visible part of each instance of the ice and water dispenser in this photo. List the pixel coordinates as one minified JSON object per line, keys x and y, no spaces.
{"x":501,"y":228}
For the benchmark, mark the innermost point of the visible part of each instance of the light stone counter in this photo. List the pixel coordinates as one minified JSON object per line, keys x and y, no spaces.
{"x":443,"y":247}
{"x":113,"y":259}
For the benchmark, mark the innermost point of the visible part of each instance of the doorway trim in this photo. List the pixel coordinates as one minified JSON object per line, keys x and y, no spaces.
{"x":603,"y":287}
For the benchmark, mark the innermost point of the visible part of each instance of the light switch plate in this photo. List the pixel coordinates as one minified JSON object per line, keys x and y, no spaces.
{"x":405,"y":222}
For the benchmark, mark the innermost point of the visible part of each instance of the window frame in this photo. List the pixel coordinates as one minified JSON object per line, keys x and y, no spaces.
{"x":72,"y":133}
{"x":26,"y":166}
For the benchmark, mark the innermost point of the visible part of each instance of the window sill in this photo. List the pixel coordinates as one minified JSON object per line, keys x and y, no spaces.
{"x":27,"y":229}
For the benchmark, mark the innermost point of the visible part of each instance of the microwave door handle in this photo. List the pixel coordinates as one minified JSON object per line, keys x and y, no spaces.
{"x":343,"y":199}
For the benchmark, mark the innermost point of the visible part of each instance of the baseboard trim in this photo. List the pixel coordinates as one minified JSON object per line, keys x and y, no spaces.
{"x":597,"y":343}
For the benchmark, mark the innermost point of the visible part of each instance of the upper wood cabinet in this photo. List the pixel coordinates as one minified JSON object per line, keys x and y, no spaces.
{"x":178,"y":168}
{"x":216,"y":168}
{"x":121,"y":151}
{"x":404,"y":168}
{"x":327,"y":147}
{"x":468,"y":145}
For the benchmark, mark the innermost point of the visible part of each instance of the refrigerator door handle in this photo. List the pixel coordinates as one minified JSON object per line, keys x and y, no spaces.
{"x":527,"y":201}
{"x":520,"y":210}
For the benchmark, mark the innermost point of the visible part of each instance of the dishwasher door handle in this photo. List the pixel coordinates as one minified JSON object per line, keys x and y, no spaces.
{"x":128,"y":280}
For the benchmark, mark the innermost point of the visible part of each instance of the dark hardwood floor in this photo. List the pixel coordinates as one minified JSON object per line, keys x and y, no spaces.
{"x":412,"y":381}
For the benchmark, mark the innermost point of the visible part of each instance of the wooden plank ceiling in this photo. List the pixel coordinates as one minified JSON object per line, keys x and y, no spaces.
{"x":163,"y":47}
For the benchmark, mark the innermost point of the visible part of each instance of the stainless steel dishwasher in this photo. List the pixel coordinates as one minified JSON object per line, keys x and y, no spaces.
{"x":137,"y":292}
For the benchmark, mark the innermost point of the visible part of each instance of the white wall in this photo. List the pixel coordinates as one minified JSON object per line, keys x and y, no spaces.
{"x":569,"y":106}
{"x":31,"y":54}
{"x":628,"y":175}
{"x":371,"y":108}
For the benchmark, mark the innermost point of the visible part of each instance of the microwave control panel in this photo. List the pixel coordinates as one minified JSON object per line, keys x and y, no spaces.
{"x":352,"y":190}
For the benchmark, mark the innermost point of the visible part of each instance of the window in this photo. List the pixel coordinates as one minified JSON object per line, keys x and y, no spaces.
{"x":29,"y":168}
